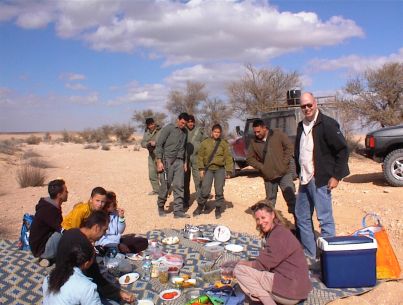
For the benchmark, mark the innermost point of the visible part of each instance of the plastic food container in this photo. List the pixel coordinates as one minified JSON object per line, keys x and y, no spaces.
{"x":212,"y":253}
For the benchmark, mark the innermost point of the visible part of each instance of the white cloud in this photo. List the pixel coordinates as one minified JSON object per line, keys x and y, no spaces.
{"x":179,"y":32}
{"x":354,"y":63}
{"x":149,"y":94}
{"x":89,"y":99}
{"x":72,"y":76}
{"x":75,"y":86}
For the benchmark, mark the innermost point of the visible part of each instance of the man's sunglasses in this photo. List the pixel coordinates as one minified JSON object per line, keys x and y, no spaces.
{"x":306,"y":106}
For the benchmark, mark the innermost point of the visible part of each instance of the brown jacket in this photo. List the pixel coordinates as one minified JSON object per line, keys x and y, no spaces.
{"x":283,"y":255}
{"x":278,"y":156}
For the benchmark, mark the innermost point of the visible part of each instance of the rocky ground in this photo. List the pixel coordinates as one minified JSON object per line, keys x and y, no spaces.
{"x":124,"y":171}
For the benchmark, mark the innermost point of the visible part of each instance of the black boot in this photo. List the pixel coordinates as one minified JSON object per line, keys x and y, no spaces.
{"x":198,"y":211}
{"x":161,"y":212}
{"x":218,"y":212}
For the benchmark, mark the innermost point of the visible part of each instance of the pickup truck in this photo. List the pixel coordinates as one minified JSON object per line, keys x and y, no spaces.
{"x":285,"y":118}
{"x":385,"y":146}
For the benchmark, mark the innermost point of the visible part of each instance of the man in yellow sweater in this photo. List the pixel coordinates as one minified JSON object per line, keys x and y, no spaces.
{"x":83,"y":209}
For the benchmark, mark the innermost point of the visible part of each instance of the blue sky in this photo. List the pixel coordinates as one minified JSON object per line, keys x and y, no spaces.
{"x":71,"y":64}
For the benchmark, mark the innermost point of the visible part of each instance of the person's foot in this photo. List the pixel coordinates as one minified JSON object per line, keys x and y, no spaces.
{"x":181,"y":215}
{"x":43,"y":262}
{"x":218,"y":213}
{"x":161,"y":212}
{"x":152,"y":193}
{"x":199,"y":210}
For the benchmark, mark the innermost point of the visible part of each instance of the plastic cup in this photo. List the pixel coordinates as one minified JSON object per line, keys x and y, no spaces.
{"x":163,"y":273}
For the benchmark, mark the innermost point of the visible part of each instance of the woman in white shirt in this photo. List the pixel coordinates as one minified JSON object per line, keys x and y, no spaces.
{"x":66,"y":284}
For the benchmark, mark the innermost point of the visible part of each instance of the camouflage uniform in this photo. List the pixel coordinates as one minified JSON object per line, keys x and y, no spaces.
{"x":152,"y":167}
{"x":195,"y":137}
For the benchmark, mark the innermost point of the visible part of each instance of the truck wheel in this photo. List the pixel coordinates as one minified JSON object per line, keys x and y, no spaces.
{"x":393,"y":167}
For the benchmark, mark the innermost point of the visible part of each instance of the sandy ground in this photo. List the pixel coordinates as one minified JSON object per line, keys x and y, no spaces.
{"x":124,"y":171}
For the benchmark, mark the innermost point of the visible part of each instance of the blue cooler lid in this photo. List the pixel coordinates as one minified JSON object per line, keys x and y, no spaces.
{"x":348,"y":240}
{"x":341,"y":243}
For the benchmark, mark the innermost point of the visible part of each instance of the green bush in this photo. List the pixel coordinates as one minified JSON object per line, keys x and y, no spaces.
{"x":30,"y":176}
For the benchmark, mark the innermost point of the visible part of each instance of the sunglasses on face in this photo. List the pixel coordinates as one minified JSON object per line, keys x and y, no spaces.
{"x":306,"y":106}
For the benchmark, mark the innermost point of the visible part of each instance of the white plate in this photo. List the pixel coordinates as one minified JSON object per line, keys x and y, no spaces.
{"x":134,"y":256}
{"x":178,"y":293}
{"x":170,"y":240}
{"x":213,"y":244}
{"x":222,"y":233}
{"x":128,"y":278}
{"x":145,"y":302}
{"x":234,"y":248}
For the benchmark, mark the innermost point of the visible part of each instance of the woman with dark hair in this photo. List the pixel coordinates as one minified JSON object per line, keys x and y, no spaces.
{"x":67,"y":284}
{"x":91,"y":230}
{"x":279,"y":275}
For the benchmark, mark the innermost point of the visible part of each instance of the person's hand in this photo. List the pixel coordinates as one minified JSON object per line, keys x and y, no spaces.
{"x":152,"y":143}
{"x":333,"y":182}
{"x":127,"y":296}
{"x":160,"y":166}
{"x":228,"y":175}
{"x":123,"y":248}
{"x":121,"y":213}
{"x":245,"y":263}
{"x":201,"y":173}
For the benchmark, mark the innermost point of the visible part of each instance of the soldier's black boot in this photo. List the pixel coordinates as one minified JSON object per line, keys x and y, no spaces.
{"x":218,"y":212}
{"x":199,"y":210}
{"x":161,"y":212}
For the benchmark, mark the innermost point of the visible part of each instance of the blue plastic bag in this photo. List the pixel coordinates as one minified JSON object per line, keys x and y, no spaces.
{"x":23,"y":242}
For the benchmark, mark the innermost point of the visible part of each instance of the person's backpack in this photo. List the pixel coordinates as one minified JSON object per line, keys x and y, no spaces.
{"x":23,"y":242}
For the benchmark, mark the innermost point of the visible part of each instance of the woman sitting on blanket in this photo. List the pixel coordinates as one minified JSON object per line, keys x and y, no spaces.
{"x":280,"y":272}
{"x":67,"y":284}
{"x":113,"y":238}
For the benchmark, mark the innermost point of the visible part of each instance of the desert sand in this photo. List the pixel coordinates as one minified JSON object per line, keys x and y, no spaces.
{"x":124,"y":171}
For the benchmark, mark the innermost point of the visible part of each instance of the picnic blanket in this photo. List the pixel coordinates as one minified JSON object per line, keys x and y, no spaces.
{"x":21,"y":277}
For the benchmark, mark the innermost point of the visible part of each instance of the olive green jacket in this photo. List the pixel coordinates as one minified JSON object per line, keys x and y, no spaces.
{"x":222,"y":157}
{"x":195,"y":137}
{"x":150,"y":136}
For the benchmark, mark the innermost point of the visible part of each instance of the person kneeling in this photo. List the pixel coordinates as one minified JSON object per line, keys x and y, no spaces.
{"x":280,"y":272}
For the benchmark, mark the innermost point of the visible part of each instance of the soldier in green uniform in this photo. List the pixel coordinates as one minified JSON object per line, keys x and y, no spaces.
{"x":215,"y":164}
{"x":149,"y":141}
{"x":170,"y":156}
{"x":195,"y":137}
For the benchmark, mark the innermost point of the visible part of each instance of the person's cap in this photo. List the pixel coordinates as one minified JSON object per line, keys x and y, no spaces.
{"x":149,"y":121}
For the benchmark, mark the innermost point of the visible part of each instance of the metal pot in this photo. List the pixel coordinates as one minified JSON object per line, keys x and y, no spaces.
{"x":191,"y":232}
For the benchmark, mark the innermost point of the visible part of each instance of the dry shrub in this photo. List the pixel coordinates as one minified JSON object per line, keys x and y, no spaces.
{"x":77,"y":140}
{"x":66,"y":137}
{"x":8,"y":147}
{"x":33,"y":140}
{"x":136,"y":147}
{"x":47,"y":137}
{"x":91,"y":146}
{"x":30,"y":154}
{"x":123,"y":132}
{"x":39,"y":163}
{"x":105,"y":147}
{"x":30,"y":176}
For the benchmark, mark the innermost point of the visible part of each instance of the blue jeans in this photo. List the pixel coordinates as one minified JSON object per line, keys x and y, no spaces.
{"x":309,"y":198}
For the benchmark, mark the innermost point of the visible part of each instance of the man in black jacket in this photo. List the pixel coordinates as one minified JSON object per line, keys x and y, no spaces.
{"x":46,"y":228}
{"x":321,"y":156}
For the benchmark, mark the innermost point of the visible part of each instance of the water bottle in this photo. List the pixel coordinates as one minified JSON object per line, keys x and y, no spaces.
{"x":155,"y":252}
{"x":146,"y":268}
